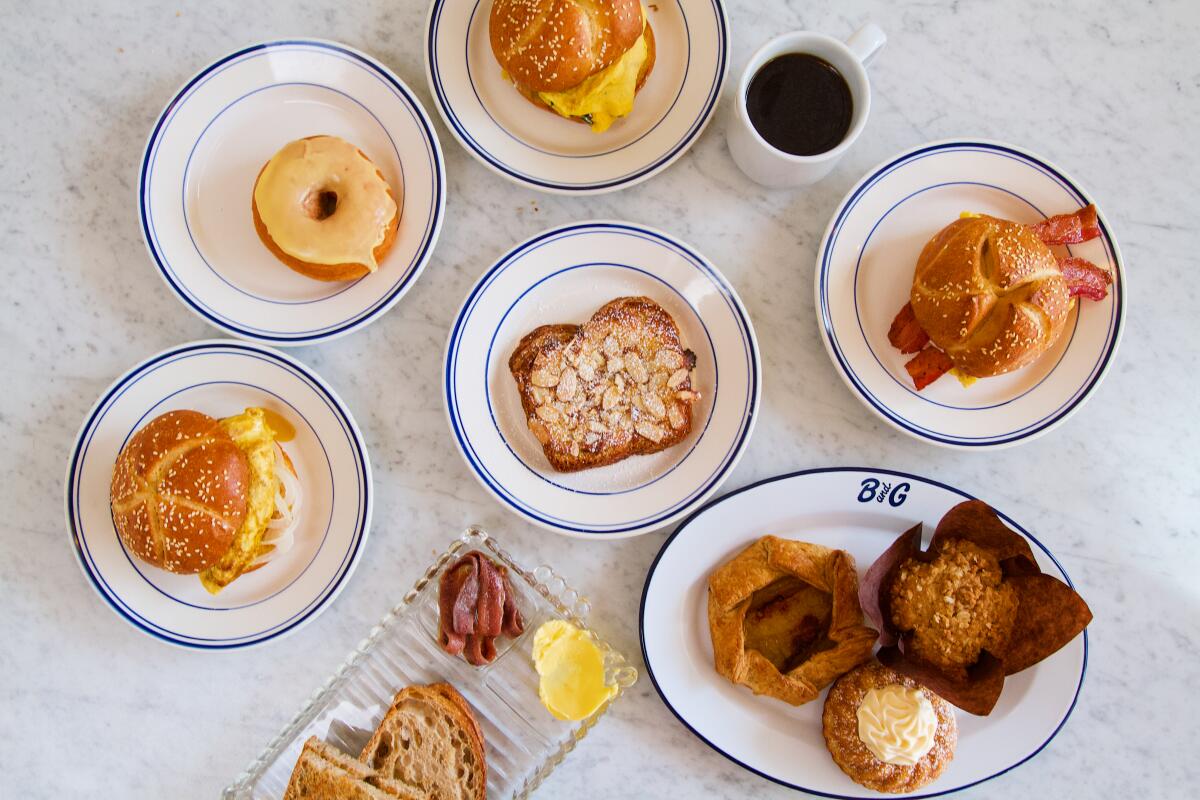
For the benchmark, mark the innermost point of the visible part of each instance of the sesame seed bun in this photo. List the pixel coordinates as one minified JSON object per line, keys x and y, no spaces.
{"x":990,"y":294}
{"x":179,"y":492}
{"x":554,"y":45}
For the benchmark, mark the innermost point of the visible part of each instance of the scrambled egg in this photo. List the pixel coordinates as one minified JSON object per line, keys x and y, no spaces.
{"x":963,"y":378}
{"x":250,"y":432}
{"x":608,"y":94}
{"x":571,"y":669}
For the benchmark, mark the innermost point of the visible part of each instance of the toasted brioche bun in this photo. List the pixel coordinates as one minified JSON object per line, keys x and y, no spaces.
{"x":179,"y":492}
{"x":553,"y":45}
{"x":990,"y":294}
{"x":326,"y":272}
{"x":643,"y":73}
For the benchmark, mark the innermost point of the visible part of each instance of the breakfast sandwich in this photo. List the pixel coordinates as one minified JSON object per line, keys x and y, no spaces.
{"x":582,"y":60}
{"x":192,"y":494}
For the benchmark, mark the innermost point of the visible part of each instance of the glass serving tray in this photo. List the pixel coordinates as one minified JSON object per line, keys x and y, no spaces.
{"x":524,"y":743}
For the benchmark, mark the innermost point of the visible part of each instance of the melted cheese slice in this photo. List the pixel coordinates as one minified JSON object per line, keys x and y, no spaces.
{"x":606,"y":95}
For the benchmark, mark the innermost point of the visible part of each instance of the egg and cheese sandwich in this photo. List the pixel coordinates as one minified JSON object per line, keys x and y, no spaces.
{"x":192,"y":494}
{"x":582,"y":59}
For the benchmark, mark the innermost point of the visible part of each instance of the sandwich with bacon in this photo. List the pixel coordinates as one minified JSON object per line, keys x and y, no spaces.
{"x":989,"y":296}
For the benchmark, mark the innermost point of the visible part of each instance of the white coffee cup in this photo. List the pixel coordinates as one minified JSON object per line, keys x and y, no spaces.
{"x":773,"y":167}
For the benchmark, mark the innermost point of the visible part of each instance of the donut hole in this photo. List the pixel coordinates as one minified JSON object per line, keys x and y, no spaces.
{"x":320,"y":204}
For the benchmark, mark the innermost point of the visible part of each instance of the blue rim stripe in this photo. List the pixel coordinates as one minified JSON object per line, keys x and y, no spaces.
{"x":730,"y":297}
{"x":826,"y":325}
{"x":477,"y":150}
{"x":350,"y":560}
{"x":425,"y":251}
{"x":869,"y":471}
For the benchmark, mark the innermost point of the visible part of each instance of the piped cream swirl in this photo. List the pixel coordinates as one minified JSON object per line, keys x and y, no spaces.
{"x":897,"y":724}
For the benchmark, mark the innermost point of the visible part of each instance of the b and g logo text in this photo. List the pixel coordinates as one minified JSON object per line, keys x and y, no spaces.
{"x":877,"y":490}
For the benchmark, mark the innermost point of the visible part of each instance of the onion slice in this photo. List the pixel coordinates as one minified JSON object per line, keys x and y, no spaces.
{"x":289,"y":499}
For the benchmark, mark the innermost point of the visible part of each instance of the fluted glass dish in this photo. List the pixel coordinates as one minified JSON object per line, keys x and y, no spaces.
{"x":524,"y":743}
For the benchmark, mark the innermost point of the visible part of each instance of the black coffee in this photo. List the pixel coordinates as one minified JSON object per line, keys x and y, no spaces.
{"x":800,"y":104}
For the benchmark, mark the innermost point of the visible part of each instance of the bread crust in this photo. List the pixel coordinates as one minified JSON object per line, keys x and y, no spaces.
{"x":644,"y":73}
{"x":179,"y":492}
{"x":643,"y":327}
{"x":990,"y":295}
{"x":552,"y":45}
{"x":327,"y":272}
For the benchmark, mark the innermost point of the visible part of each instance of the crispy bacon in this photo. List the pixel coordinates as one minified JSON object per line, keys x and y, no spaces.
{"x":1075,"y":228}
{"x":927,"y":366}
{"x":906,"y":334}
{"x":1085,"y":279}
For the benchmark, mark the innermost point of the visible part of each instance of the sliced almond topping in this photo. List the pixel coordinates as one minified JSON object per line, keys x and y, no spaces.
{"x":549,"y":414}
{"x":654,"y":405}
{"x":649,"y":430}
{"x":612,"y":347}
{"x":539,"y":430}
{"x":669,"y":359}
{"x":567,"y":384}
{"x":596,"y":427}
{"x":635,"y":368}
{"x":543,"y":377}
{"x":620,"y":381}
{"x":615,"y":365}
{"x":611,"y":397}
{"x":676,"y":416}
{"x":687,"y":396}
{"x":677,"y":377}
{"x":541,"y":396}
{"x":591,"y":439}
{"x":586,"y":370}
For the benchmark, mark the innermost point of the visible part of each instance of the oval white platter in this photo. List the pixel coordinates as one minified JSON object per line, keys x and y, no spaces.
{"x":864,"y":275}
{"x":542,"y":150}
{"x":213,"y":138}
{"x":563,"y":276}
{"x":221,"y":378}
{"x":861,"y":511}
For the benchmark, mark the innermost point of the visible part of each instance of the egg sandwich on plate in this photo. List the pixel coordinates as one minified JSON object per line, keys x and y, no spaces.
{"x":192,"y":494}
{"x":582,"y":59}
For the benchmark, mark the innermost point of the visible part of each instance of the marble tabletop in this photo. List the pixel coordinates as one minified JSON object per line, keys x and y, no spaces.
{"x":1110,"y":91}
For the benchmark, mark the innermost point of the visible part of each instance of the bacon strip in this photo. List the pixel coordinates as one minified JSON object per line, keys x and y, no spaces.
{"x":906,"y":334}
{"x":1085,"y":279}
{"x":1075,"y":228}
{"x":927,"y":366}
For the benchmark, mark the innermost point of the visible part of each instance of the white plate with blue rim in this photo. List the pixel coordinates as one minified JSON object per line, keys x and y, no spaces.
{"x":563,"y":276}
{"x":213,"y":138}
{"x":222,"y":378}
{"x":860,"y":510}
{"x":864,"y":273}
{"x":544,"y":151}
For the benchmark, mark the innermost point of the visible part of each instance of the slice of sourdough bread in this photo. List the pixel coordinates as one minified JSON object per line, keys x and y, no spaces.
{"x":325,"y":773}
{"x":430,"y":739}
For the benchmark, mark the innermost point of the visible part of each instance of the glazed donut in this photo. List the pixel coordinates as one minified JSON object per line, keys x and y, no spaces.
{"x":323,"y":209}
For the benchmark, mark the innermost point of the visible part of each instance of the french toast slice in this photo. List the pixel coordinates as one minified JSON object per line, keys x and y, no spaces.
{"x":616,"y":386}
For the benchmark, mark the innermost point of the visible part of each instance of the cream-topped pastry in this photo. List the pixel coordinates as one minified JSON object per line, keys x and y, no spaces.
{"x":897,"y":724}
{"x":324,"y":209}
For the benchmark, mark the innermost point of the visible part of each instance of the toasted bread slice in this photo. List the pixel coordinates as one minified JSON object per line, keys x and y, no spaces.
{"x":617,"y":386}
{"x":430,"y":739}
{"x":325,"y":773}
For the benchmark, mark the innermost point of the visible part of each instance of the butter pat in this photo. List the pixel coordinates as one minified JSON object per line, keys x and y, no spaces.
{"x":897,"y":724}
{"x":571,"y":668}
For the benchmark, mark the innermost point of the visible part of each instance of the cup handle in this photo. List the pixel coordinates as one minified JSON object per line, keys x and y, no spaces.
{"x":866,"y":42}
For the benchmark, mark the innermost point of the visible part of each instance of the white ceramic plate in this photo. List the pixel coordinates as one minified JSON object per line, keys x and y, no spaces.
{"x":541,"y":150}
{"x":563,"y":276}
{"x":864,"y":274}
{"x":861,"y":511}
{"x":207,"y":148}
{"x":221,"y":378}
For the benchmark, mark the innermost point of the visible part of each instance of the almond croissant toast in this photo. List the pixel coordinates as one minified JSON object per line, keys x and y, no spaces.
{"x":619,"y":385}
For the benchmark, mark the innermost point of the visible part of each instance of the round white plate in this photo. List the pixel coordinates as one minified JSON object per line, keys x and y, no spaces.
{"x":539,"y":149}
{"x":864,"y":274}
{"x":221,"y":378}
{"x":207,"y":148}
{"x":861,"y":511}
{"x":563,"y":276}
